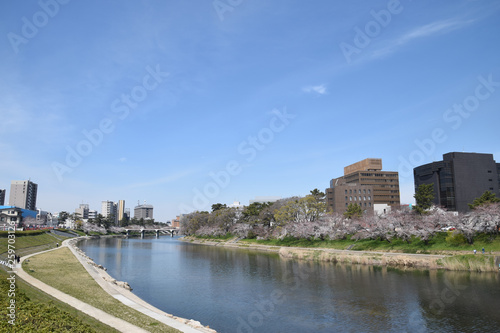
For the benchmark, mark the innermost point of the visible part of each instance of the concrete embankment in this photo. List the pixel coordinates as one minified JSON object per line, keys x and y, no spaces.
{"x":477,"y":263}
{"x":122,"y":291}
{"x":364,"y":258}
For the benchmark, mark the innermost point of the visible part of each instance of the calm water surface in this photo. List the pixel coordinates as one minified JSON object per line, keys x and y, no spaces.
{"x":235,"y":290}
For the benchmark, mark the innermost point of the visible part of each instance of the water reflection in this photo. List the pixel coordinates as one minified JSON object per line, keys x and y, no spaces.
{"x":237,"y":290}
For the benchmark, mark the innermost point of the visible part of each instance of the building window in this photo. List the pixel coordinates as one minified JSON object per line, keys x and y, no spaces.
{"x":364,"y":191}
{"x":359,"y":198}
{"x":369,"y":191}
{"x":369,"y":204}
{"x":350,"y":198}
{"x":350,"y":191}
{"x":354,"y":198}
{"x":364,"y":198}
{"x":345,"y":191}
{"x":346,"y":198}
{"x":365,"y":204}
{"x":370,"y":198}
{"x":346,"y":204}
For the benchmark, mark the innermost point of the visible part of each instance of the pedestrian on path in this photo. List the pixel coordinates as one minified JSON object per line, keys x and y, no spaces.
{"x":474,"y":251}
{"x":483,"y":250}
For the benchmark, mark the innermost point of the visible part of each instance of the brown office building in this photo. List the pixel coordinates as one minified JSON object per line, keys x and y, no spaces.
{"x":365,"y":184}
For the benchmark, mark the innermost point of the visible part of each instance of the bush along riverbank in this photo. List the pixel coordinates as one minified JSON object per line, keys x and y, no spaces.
{"x":437,"y":255}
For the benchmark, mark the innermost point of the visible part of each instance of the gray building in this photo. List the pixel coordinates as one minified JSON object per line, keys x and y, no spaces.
{"x":83,"y":211}
{"x":459,"y":179}
{"x":23,"y":194}
{"x":2,"y":197}
{"x":143,"y":211}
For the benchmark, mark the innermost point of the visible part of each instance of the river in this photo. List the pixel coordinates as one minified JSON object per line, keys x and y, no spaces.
{"x":237,"y":290}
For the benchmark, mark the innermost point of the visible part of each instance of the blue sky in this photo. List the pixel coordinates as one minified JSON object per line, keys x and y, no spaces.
{"x":188,"y":103}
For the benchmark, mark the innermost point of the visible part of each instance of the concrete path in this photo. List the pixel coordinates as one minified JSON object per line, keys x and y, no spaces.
{"x":121,"y":294}
{"x":117,"y":323}
{"x":132,"y":300}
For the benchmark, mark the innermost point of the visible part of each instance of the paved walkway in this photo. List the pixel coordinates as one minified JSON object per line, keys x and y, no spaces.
{"x":121,"y":294}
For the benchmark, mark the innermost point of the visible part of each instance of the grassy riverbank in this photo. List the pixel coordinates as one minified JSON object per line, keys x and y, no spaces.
{"x":37,"y":311}
{"x":51,"y":266}
{"x":27,"y":242}
{"x":436,"y":245}
{"x":437,"y":253}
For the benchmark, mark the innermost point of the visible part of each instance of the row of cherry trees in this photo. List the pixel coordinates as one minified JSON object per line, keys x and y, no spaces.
{"x":307,"y":218}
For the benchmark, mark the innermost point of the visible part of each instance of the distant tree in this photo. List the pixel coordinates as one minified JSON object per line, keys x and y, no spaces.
{"x":255,"y":208}
{"x":63,"y":216}
{"x":353,"y":211}
{"x":424,"y":197}
{"x":485,"y":199}
{"x":98,"y":221}
{"x":307,"y":209}
{"x":218,"y":206}
{"x":318,"y":195}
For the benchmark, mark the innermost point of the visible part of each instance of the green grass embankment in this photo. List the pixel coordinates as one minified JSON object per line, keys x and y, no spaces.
{"x":27,"y":242}
{"x":37,"y":311}
{"x":460,"y":255}
{"x":436,"y":245}
{"x":49,"y":267}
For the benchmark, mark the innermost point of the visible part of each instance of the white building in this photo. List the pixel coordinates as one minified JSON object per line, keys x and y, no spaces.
{"x":109,"y":208}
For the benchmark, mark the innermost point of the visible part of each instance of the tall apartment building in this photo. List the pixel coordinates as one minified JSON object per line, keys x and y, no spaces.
{"x":2,"y":197}
{"x":23,"y":194}
{"x":121,"y":210}
{"x":109,"y":208}
{"x":365,"y":184}
{"x":459,"y":178}
{"x":143,"y":211}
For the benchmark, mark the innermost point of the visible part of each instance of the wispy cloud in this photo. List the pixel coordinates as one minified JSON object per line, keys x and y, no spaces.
{"x":167,"y":179}
{"x":319,"y":89}
{"x":431,"y":29}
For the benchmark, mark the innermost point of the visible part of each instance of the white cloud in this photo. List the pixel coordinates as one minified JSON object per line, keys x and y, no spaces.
{"x":167,"y":179}
{"x":319,"y":89}
{"x":434,"y":28}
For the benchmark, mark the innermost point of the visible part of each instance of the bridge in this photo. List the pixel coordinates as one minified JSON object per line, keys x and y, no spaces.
{"x":157,"y":231}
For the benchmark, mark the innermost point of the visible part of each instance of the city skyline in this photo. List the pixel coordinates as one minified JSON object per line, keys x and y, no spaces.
{"x":189,"y":104}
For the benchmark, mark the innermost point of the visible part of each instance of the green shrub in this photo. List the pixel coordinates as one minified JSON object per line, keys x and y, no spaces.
{"x":4,"y":234}
{"x":455,"y":238}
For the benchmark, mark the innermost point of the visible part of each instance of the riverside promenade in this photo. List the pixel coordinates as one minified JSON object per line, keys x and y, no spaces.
{"x":119,"y":293}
